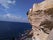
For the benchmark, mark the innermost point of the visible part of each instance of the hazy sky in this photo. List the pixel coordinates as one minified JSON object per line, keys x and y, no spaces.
{"x":15,"y":10}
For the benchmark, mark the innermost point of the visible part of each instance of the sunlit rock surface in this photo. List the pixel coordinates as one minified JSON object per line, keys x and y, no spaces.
{"x":41,"y":18}
{"x":50,"y":37}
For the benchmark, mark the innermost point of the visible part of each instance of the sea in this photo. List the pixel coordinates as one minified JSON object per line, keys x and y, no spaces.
{"x":11,"y":30}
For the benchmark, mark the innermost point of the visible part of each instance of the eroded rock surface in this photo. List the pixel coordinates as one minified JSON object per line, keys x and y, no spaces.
{"x":50,"y":37}
{"x":41,"y":19}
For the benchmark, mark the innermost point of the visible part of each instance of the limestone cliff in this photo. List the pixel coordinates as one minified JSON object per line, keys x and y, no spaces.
{"x":41,"y":19}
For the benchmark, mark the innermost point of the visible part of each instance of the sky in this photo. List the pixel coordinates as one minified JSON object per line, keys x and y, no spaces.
{"x":15,"y":10}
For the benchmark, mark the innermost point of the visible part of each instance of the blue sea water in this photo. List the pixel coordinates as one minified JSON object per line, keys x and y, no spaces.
{"x":9,"y":30}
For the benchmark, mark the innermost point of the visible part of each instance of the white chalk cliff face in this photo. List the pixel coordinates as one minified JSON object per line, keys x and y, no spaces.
{"x":41,"y":19}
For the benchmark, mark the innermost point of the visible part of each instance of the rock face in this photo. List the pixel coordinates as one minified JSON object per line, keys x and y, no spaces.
{"x":50,"y":37}
{"x":41,"y":19}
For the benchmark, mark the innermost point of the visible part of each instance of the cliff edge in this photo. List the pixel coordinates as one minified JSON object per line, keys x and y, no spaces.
{"x":40,"y":17}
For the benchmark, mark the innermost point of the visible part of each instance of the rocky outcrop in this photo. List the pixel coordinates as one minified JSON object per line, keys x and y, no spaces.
{"x":41,"y":19}
{"x":25,"y":36}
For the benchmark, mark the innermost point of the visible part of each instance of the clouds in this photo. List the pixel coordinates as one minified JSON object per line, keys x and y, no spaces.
{"x":7,"y":3}
{"x":11,"y":17}
{"x":8,"y":9}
